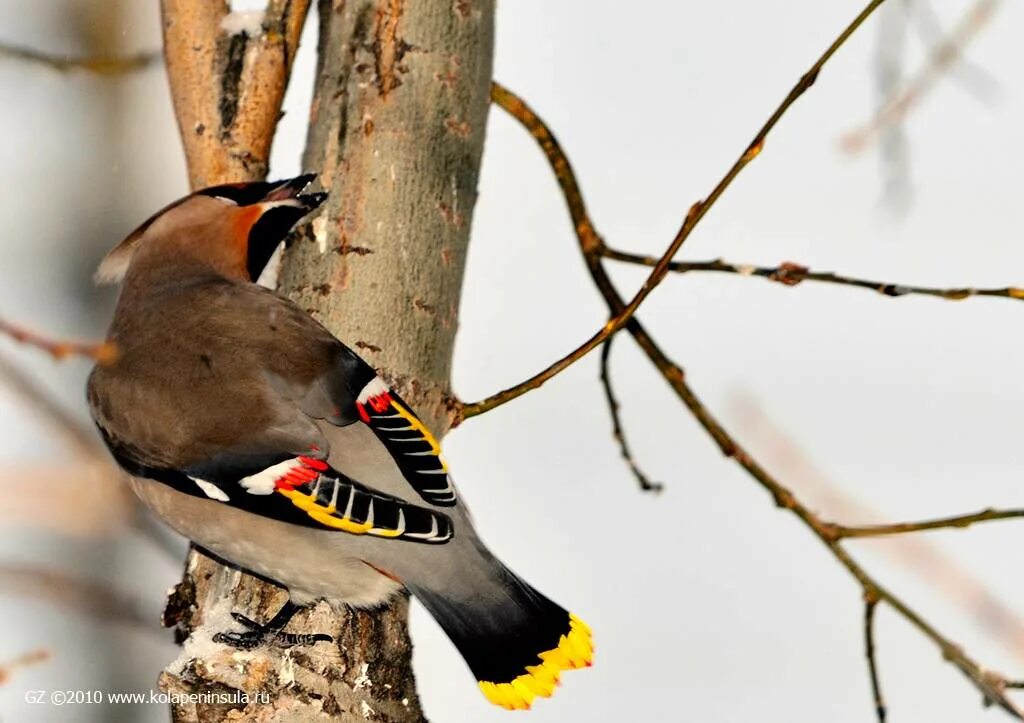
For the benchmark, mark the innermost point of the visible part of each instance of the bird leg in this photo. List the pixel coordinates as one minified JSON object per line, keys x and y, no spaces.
{"x":271,"y":633}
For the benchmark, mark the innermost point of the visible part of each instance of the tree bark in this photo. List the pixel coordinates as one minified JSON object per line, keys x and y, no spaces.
{"x":396,"y":133}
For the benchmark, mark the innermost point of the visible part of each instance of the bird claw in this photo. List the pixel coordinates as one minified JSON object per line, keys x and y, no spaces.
{"x":245,"y":641}
{"x":257,"y":635}
{"x":245,"y":622}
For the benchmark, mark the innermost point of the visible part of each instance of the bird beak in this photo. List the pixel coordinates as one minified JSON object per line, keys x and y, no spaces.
{"x":289,"y":193}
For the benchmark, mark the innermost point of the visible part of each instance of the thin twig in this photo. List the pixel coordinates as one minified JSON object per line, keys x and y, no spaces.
{"x":870,"y":604}
{"x":96,"y":471}
{"x":66,"y":63}
{"x":942,"y":57}
{"x":87,"y":597}
{"x":791,"y":274}
{"x":101,"y":353}
{"x":900,"y":528}
{"x":990,"y":684}
{"x":80,"y":436}
{"x":693,"y":217}
{"x":617,"y":430}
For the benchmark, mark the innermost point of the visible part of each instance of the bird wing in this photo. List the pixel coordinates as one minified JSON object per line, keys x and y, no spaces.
{"x":307,"y":491}
{"x":221,"y":399}
{"x":298,"y":489}
{"x":359,"y":393}
{"x":344,"y":389}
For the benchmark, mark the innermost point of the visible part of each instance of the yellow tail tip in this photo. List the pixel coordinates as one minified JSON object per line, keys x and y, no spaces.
{"x":575,"y":650}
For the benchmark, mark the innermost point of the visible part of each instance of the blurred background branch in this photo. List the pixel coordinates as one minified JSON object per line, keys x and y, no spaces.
{"x":942,"y":58}
{"x":25,"y":660}
{"x":899,"y":96}
{"x":101,"y":352}
{"x":918,"y":554}
{"x":64,"y":63}
{"x":96,"y":600}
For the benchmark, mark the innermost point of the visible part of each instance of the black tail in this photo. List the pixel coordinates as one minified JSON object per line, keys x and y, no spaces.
{"x":515,"y":640}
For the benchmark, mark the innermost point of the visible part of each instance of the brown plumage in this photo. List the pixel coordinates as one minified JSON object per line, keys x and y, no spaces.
{"x":253,"y":431}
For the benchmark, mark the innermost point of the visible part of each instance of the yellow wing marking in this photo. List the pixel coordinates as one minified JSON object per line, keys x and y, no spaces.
{"x":325,"y":516}
{"x":416,"y":424}
{"x":384,"y":532}
{"x":574,"y":650}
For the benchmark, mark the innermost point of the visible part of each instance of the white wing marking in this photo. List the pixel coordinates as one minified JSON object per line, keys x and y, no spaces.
{"x":334,"y":495}
{"x":211,"y":490}
{"x":375,"y":387}
{"x":262,"y":483}
{"x":351,"y":498}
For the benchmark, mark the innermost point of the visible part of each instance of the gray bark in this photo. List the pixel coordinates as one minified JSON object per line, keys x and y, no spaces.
{"x":397,"y":132}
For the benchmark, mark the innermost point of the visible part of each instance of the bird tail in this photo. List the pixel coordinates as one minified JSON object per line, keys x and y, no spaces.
{"x":516,"y":641}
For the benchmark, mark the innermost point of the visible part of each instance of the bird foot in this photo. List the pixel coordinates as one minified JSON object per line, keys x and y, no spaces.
{"x":256,"y":635}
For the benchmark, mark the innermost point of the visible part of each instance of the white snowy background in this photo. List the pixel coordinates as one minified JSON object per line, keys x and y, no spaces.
{"x":707,"y":603}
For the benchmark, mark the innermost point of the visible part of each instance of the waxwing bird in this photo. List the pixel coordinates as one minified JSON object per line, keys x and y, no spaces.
{"x":251,"y":430}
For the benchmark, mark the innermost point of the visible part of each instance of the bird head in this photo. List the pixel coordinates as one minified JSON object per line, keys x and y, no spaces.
{"x":232,"y":229}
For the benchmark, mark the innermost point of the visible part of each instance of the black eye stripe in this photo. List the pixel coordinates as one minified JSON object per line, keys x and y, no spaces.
{"x":269,"y":230}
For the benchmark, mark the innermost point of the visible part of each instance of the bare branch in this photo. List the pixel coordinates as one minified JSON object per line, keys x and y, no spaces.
{"x":870,"y":603}
{"x":992,"y":685}
{"x":899,"y":528}
{"x":617,"y":431}
{"x":65,"y":63}
{"x":102,"y":353}
{"x":791,"y":274}
{"x":693,"y":217}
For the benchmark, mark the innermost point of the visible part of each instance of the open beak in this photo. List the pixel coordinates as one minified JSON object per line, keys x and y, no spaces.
{"x":288,"y":192}
{"x":291,"y":190}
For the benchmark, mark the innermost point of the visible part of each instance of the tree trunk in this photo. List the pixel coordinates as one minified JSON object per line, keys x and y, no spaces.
{"x":396,"y":132}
